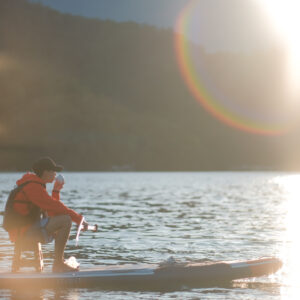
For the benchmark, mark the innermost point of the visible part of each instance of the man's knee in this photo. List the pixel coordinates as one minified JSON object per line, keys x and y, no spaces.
{"x":59,"y":222}
{"x":67,"y":221}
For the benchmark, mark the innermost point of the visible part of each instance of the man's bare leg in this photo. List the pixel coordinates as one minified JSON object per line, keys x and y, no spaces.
{"x":60,"y":227}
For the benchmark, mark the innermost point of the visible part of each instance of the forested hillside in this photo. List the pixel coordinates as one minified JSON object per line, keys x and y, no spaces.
{"x":101,"y":95}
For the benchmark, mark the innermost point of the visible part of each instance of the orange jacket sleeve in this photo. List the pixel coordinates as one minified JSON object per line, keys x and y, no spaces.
{"x":38,"y":195}
{"x":56,"y":195}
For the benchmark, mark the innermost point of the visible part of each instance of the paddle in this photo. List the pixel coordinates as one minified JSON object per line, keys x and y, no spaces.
{"x":81,"y":227}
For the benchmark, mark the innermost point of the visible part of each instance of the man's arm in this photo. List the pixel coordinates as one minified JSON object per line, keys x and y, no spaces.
{"x":39,"y":196}
{"x":58,"y":185}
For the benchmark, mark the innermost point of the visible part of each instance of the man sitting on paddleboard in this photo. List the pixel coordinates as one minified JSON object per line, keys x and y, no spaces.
{"x":33,"y":201}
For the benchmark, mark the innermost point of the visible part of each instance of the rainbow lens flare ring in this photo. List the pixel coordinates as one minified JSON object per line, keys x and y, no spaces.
{"x":199,"y":88}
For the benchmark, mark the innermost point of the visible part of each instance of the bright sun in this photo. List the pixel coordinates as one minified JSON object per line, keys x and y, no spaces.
{"x":284,"y":15}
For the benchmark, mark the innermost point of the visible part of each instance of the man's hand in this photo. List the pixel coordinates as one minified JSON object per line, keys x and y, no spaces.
{"x":85,"y":226}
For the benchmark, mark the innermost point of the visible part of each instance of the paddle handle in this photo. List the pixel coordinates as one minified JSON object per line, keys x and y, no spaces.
{"x":93,"y":228}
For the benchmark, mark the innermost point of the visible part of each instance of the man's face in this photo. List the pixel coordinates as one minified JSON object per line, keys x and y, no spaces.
{"x":48,"y":176}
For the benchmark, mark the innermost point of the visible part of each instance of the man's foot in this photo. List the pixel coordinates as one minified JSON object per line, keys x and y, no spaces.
{"x":63,"y":267}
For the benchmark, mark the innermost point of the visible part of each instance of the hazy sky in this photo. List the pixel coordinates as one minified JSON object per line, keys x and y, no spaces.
{"x":217,"y":24}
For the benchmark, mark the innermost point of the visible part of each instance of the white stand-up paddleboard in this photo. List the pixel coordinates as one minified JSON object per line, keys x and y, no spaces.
{"x":146,"y":277}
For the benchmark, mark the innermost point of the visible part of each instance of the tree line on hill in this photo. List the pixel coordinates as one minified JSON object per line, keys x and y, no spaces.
{"x":101,"y":95}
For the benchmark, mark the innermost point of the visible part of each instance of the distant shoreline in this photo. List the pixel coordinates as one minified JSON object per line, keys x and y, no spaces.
{"x":166,"y":171}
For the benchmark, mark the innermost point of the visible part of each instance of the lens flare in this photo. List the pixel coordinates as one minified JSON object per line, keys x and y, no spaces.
{"x":197,"y":77}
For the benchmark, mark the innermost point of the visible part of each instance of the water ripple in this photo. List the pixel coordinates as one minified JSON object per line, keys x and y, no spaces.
{"x":146,"y":217}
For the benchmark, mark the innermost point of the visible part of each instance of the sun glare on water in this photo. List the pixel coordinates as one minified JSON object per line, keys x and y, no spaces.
{"x":290,"y":186}
{"x":284,"y":15}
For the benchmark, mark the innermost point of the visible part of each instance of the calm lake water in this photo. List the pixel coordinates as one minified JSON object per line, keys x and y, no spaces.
{"x":148,"y":217}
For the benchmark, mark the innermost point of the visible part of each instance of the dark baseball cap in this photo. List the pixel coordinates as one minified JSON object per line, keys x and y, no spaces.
{"x":46,"y":164}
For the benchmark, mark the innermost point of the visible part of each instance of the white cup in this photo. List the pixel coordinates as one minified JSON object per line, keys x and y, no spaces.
{"x":60,"y":178}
